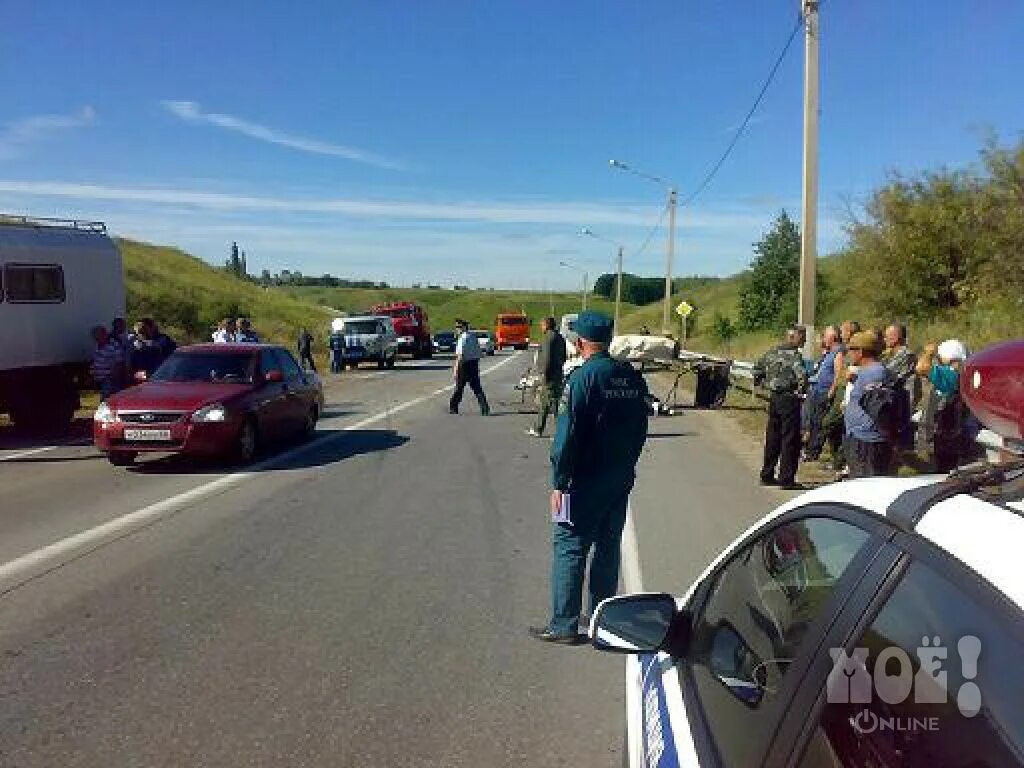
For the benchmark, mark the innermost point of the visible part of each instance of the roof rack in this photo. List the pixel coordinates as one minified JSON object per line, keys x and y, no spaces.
{"x":44,"y":221}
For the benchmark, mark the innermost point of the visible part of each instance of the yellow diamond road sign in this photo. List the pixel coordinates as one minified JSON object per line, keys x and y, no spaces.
{"x":684,"y":309}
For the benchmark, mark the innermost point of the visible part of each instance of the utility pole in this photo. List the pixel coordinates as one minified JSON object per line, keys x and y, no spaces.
{"x":809,"y":240}
{"x":586,"y":285}
{"x":668,"y":259}
{"x":618,"y":292}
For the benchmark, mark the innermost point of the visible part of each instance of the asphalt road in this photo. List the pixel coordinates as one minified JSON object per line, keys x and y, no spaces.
{"x":360,"y":600}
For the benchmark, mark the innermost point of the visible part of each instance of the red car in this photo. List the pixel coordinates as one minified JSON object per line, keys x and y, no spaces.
{"x":211,"y":400}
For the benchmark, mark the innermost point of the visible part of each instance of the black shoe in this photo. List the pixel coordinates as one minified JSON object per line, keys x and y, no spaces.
{"x":546,"y":635}
{"x":792,"y":486}
{"x":769,"y":481}
{"x":453,"y":412}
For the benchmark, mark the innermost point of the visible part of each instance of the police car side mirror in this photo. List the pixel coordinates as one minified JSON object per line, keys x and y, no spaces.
{"x":639,"y":623}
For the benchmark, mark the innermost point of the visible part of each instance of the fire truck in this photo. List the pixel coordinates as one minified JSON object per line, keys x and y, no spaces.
{"x":412,"y":326}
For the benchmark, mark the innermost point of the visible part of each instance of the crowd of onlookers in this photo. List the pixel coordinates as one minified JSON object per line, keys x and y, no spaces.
{"x":121,"y":353}
{"x":877,"y":404}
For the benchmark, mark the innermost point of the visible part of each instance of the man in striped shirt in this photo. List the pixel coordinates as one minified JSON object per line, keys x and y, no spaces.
{"x":107,"y":362}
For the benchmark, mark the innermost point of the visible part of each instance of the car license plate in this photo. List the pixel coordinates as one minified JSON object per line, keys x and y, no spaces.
{"x":147,"y":434}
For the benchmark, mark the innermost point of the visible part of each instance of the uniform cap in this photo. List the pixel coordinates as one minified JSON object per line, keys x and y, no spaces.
{"x":594,"y":326}
{"x":866,"y":340}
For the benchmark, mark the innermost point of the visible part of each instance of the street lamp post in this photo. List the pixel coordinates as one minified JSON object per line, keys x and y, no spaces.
{"x":586,"y":281}
{"x":618,"y":271}
{"x":670,"y":249}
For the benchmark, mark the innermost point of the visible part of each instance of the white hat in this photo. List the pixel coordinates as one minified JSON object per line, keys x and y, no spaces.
{"x":952,"y":349}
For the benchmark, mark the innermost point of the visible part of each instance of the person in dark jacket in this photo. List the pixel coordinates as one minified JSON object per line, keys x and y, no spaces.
{"x":782,"y":372}
{"x":550,"y":359}
{"x":599,"y":437}
{"x":305,"y":347}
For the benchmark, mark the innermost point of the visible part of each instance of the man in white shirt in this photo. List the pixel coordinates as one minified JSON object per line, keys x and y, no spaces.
{"x":467,"y":369}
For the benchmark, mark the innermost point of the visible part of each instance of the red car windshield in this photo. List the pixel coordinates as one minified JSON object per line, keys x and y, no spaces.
{"x":206,"y":366}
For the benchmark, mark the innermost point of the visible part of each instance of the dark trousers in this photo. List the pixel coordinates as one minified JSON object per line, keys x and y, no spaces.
{"x":817,"y":406}
{"x":598,"y":520}
{"x":867,"y":459}
{"x":468,"y":373}
{"x":548,"y":395}
{"x":306,"y":359}
{"x":782,"y":438}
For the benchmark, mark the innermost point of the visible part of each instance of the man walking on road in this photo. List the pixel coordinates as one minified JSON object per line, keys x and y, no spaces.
{"x":600,"y":434}
{"x":782,"y":372}
{"x":550,"y":359}
{"x":467,"y":369}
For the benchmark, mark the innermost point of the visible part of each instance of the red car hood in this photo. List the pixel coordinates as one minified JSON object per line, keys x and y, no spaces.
{"x":175,"y":396}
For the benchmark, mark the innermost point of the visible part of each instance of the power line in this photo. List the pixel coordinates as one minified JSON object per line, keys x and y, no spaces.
{"x":746,"y":120}
{"x":650,"y":234}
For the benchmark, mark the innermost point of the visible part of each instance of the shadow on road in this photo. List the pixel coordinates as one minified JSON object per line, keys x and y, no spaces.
{"x":429,"y":367}
{"x":330,"y":447}
{"x":13,"y":439}
{"x":653,"y":435}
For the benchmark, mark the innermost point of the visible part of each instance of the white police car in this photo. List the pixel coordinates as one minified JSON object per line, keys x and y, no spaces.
{"x":870,"y":623}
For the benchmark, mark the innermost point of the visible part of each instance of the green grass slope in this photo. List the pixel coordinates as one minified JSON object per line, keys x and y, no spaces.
{"x":188,"y":297}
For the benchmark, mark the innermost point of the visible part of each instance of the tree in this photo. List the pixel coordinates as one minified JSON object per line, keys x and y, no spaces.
{"x":769,"y":297}
{"x":722,"y":328}
{"x":234,"y":263}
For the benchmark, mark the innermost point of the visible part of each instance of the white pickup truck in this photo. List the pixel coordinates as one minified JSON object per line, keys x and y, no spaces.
{"x":58,"y":279}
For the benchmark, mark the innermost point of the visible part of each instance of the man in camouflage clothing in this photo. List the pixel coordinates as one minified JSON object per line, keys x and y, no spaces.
{"x":901,"y":362}
{"x":781,"y":371}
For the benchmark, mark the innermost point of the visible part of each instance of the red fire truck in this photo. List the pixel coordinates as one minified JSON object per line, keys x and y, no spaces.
{"x":412,"y":327}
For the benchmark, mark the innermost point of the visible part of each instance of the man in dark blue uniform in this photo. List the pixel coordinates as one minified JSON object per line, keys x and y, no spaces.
{"x":600,"y":433}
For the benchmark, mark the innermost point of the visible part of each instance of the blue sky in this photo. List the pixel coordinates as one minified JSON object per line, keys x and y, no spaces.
{"x":468,"y":141}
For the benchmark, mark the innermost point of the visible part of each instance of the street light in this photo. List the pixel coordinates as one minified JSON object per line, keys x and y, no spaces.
{"x":586,"y":279}
{"x":621,"y":166}
{"x":587,"y":232}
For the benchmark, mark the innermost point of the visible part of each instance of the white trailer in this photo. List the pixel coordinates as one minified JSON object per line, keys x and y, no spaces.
{"x":58,"y":279}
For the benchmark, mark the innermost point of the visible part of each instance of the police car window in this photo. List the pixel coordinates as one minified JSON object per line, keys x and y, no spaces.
{"x":753,"y":622}
{"x":34,"y":282}
{"x":965,"y":701}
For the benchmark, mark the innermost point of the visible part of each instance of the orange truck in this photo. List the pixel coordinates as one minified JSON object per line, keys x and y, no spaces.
{"x":513,"y":330}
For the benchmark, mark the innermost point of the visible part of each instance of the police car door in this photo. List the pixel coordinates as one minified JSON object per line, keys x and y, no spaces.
{"x":758,"y":620}
{"x":931,"y":660}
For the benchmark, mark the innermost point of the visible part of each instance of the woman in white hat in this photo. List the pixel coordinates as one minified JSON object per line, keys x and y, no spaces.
{"x":944,"y":418}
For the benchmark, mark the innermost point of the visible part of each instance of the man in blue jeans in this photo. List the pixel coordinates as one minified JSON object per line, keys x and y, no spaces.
{"x":601,"y":430}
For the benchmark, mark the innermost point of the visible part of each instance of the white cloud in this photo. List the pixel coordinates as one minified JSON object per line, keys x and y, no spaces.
{"x":16,"y":135}
{"x":568,"y":213}
{"x":191,"y":112}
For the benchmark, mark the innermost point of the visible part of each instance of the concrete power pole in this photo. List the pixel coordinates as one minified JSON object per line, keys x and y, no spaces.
{"x":618,"y":292}
{"x":809,"y":241}
{"x":667,"y":307}
{"x":586,"y":289}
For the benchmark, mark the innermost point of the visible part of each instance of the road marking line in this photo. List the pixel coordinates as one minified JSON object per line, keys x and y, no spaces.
{"x":33,"y":452}
{"x":632,"y":573}
{"x":16,"y":572}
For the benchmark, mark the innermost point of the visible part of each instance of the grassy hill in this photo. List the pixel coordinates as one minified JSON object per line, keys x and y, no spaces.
{"x":188,"y":297}
{"x":478,"y":307}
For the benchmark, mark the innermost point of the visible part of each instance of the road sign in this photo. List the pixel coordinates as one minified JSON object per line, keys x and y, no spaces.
{"x":684,"y":309}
